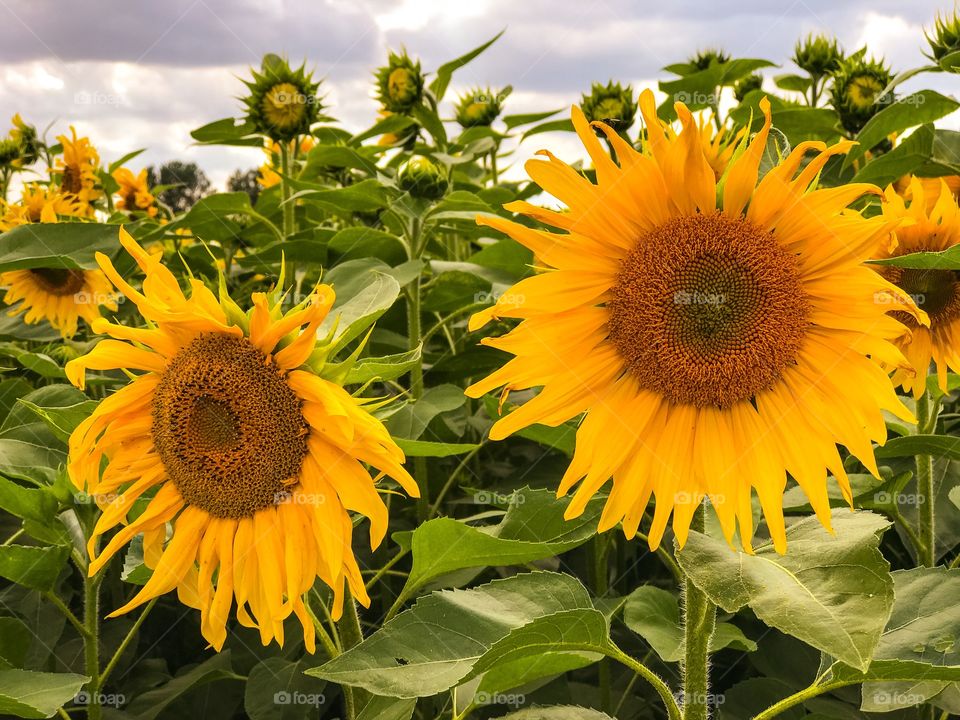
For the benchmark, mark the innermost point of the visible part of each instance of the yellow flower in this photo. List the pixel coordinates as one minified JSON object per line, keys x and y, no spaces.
{"x":715,"y":341}
{"x":60,"y":296}
{"x":931,"y":187}
{"x":252,"y":458}
{"x":40,"y":203}
{"x":77,"y":170}
{"x":269,"y":176}
{"x":930,"y":223}
{"x":134,"y":192}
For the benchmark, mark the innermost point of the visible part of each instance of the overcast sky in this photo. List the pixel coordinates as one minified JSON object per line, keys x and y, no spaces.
{"x":134,"y":75}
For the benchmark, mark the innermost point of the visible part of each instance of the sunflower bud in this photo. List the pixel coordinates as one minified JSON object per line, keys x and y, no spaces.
{"x":710,"y":56}
{"x":283,"y":102}
{"x":9,"y":152}
{"x":610,"y":104}
{"x":26,"y":137}
{"x":945,"y":41}
{"x":856,"y":92}
{"x":747,"y":85}
{"x":400,"y":84}
{"x":479,"y":108}
{"x":818,"y":55}
{"x":423,"y":178}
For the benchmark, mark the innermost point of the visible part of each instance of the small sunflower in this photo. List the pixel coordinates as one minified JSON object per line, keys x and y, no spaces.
{"x":399,"y":83}
{"x":818,"y":55}
{"x":423,"y":178}
{"x":856,"y":91}
{"x":612,"y":104}
{"x":26,"y":137}
{"x":42,"y":203}
{"x":77,"y":170}
{"x":703,"y":59}
{"x":930,"y":223}
{"x":250,"y":457}
{"x":478,"y":108}
{"x":9,"y":152}
{"x":134,"y":192}
{"x":718,"y":144}
{"x":61,"y":296}
{"x":945,"y":40}
{"x":716,"y":336}
{"x":744,"y":86}
{"x":283,"y":102}
{"x":930,"y":185}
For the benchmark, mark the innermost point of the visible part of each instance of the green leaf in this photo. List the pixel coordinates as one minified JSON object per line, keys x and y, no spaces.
{"x":792,"y":83}
{"x":152,"y":703}
{"x":57,"y":245}
{"x":364,"y":292}
{"x":386,"y":708}
{"x":512,"y":121}
{"x":654,"y":614}
{"x":61,"y":407}
{"x":390,"y":124}
{"x":323,"y":157}
{"x":227,"y":132}
{"x":412,"y":419}
{"x":277,"y":689}
{"x":28,"y":694}
{"x":437,"y":643}
{"x":834,"y":593}
{"x":211,"y":217}
{"x":564,"y":125}
{"x":921,"y":107}
{"x":453,"y":290}
{"x":30,"y":461}
{"x":557,"y":712}
{"x":386,"y":367}
{"x":364,"y":196}
{"x":10,"y":391}
{"x":922,"y":638}
{"x":34,"y":567}
{"x":910,"y":445}
{"x":445,"y":72}
{"x":948,"y":259}
{"x":14,"y":642}
{"x":37,"y":504}
{"x":547,"y":646}
{"x":363,"y":242}
{"x":39,"y":363}
{"x":425,"y":448}
{"x":902,"y":160}
{"x":533,"y":528}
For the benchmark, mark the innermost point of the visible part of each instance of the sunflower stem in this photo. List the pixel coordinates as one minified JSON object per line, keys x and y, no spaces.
{"x":91,"y":643}
{"x":926,"y":419}
{"x":414,"y":341}
{"x":289,"y":216}
{"x":600,"y":587}
{"x":351,"y":634}
{"x":699,"y":621}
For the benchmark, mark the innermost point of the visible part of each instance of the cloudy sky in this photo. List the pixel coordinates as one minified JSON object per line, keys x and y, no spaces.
{"x":134,"y":75}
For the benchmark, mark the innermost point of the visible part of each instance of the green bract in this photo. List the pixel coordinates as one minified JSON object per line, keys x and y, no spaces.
{"x":612,"y":104}
{"x":283,"y":102}
{"x":399,"y":83}
{"x":856,"y":92}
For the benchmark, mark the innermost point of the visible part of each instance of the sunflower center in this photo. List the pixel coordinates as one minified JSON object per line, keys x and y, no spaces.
{"x":936,"y":292}
{"x":59,"y":281}
{"x":284,"y":105}
{"x":227,"y":427}
{"x":708,"y":310}
{"x":72,"y":181}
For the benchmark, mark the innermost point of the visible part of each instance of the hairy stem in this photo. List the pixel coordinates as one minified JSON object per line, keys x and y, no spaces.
{"x":926,"y":497}
{"x":699,"y":621}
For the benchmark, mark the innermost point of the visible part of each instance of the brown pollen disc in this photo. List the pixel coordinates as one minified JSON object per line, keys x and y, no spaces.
{"x":936,"y":292}
{"x":229,"y":430}
{"x":708,"y":310}
{"x":59,"y":281}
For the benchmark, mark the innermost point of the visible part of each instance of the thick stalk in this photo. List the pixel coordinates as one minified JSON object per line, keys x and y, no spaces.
{"x":351,"y":634}
{"x":289,"y":214}
{"x":699,"y":621}
{"x":91,"y":644}
{"x":926,"y":497}
{"x":600,"y":587}
{"x":415,"y":339}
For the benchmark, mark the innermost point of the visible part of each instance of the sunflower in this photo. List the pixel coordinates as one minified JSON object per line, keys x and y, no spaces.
{"x":930,"y":223}
{"x":134,"y":192}
{"x":77,"y":170}
{"x":282,"y":102}
{"x":251,"y":457}
{"x":41,"y":203}
{"x":715,"y":336}
{"x":61,"y":296}
{"x":931,"y":187}
{"x":718,"y":144}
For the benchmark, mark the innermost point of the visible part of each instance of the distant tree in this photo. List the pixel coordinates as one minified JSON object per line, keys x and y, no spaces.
{"x":189,"y":180}
{"x":246,"y":182}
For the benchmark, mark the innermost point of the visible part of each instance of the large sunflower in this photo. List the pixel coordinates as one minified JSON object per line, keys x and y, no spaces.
{"x":250,"y":457}
{"x":716,"y":336}
{"x":931,"y":223}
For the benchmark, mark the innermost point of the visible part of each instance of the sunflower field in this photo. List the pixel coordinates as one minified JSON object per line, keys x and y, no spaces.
{"x":414,"y":430}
